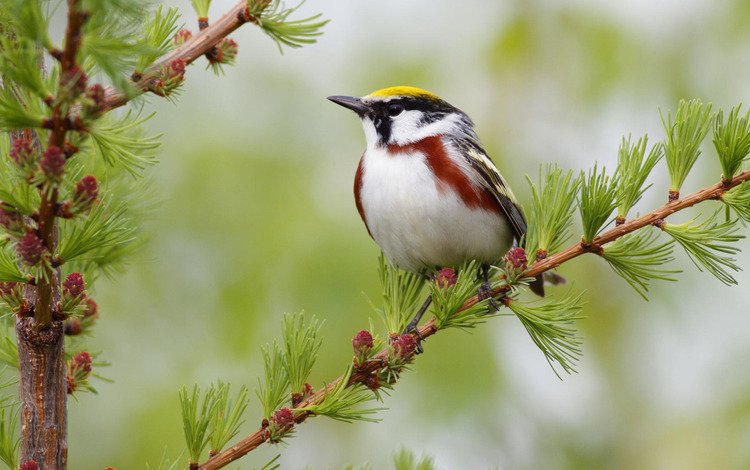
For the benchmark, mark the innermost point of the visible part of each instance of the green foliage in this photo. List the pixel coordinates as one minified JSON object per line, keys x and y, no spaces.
{"x":8,"y":348}
{"x":9,"y":271}
{"x":639,"y":260}
{"x":274,"y":391}
{"x":342,"y":402}
{"x":196,"y":419}
{"x":27,"y":20}
{"x":227,"y":417}
{"x":165,"y":463}
{"x":553,"y":203}
{"x":19,"y":62}
{"x":406,"y":460}
{"x":274,"y":20}
{"x":301,"y":348}
{"x":707,"y":244}
{"x":597,"y":201}
{"x":158,"y":30}
{"x":401,"y":295}
{"x":549,"y":323}
{"x":632,"y":171}
{"x":201,"y":7}
{"x":119,"y":143}
{"x":9,"y":440}
{"x":18,"y":109}
{"x":271,"y":464}
{"x":102,"y":229}
{"x":738,"y":200}
{"x":732,"y":140}
{"x":447,"y":300}
{"x":684,"y":136}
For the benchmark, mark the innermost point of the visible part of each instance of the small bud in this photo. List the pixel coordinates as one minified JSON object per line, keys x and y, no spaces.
{"x":29,"y":465}
{"x":308,"y":390}
{"x":404,"y":346}
{"x":74,"y":81}
{"x":52,"y":164}
{"x":372,"y":382}
{"x":182,"y":36}
{"x":95,"y":94}
{"x":74,"y":286}
{"x":228,"y":49}
{"x":11,"y":221}
{"x":445,"y":278}
{"x":22,"y":151}
{"x":283,"y":417}
{"x":82,"y":362}
{"x":30,"y":248}
{"x":7,"y":289}
{"x":362,"y":341}
{"x":177,"y":67}
{"x":73,"y":326}
{"x":92,"y":309}
{"x":87,"y":190}
{"x":515,"y":259}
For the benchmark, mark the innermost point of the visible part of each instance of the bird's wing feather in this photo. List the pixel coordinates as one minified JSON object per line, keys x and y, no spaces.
{"x":494,"y":182}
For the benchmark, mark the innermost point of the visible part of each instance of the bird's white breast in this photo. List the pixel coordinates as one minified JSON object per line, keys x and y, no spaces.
{"x":420,"y":226}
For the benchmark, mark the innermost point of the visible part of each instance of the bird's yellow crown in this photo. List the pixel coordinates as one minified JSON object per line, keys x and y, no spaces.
{"x":404,"y":91}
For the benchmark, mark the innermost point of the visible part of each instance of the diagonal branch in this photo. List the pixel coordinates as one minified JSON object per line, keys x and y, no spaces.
{"x":191,"y":50}
{"x":378,"y":361}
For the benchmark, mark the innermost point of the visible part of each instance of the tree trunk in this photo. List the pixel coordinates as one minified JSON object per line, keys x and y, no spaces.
{"x":43,"y":393}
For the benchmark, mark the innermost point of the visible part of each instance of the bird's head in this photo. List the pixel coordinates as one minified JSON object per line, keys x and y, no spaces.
{"x":403,"y":115}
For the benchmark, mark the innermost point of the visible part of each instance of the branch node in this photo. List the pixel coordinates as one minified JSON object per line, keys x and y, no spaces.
{"x":673,"y":195}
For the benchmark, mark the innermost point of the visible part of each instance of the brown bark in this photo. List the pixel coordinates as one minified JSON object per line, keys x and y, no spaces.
{"x":43,"y":393}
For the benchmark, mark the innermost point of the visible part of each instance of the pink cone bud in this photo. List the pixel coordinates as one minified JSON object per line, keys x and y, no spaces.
{"x":283,"y":417}
{"x":404,"y":346}
{"x":445,"y":278}
{"x":30,"y":248}
{"x":52,"y":163}
{"x":73,"y":286}
{"x":177,"y":67}
{"x":362,"y":341}
{"x":92,"y":309}
{"x":96,"y":93}
{"x":6,"y":289}
{"x":22,"y":151}
{"x":516,"y":259}
{"x":74,"y":80}
{"x":228,"y":49}
{"x":182,"y":36}
{"x":29,"y":465}
{"x":82,"y":362}
{"x":12,"y":221}
{"x":87,"y":190}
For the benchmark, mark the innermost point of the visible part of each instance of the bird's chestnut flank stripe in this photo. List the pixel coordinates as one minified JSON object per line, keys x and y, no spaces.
{"x":449,"y":176}
{"x":357,"y":198}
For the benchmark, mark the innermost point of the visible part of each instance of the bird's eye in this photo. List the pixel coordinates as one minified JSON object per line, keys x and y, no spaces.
{"x":395,"y":109}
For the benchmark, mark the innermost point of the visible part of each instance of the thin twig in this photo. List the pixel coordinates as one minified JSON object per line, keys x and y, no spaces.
{"x":260,"y":436}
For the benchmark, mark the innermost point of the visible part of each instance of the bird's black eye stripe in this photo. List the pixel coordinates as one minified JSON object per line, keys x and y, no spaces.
{"x":394,"y":109}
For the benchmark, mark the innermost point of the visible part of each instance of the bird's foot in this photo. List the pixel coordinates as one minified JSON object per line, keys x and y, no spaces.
{"x":485,"y":292}
{"x":413,"y":329}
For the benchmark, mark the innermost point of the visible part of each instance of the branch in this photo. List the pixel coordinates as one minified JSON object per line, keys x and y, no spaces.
{"x":378,"y":361}
{"x":191,"y":50}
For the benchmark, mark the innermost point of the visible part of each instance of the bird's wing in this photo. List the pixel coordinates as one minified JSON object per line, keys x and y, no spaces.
{"x":494,"y":182}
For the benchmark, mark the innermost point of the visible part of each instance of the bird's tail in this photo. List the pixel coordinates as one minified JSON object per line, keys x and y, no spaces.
{"x":549,"y":277}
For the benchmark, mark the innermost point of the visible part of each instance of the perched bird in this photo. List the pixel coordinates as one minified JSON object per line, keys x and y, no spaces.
{"x":425,"y":188}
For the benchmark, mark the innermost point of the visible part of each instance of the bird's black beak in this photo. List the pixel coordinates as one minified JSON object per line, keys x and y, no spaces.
{"x":351,"y":102}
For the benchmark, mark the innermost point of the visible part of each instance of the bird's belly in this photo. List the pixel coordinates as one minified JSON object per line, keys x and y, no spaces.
{"x":420,"y":226}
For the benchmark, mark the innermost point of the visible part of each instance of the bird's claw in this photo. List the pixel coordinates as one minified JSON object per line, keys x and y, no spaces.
{"x":485,"y":292}
{"x":412,"y":329}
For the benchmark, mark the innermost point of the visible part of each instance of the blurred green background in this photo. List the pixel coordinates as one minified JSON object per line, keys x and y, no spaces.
{"x":255,"y":218}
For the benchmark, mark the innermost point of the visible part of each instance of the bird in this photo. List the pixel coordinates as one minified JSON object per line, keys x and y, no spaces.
{"x":425,"y":188}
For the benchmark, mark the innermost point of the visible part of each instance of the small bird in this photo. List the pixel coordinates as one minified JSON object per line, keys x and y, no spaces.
{"x":425,"y":188}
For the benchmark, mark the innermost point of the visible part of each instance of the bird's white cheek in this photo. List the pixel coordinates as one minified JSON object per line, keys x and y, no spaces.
{"x":371,"y":135}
